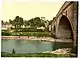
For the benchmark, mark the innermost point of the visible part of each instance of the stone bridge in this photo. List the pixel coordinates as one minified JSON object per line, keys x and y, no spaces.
{"x":65,"y":25}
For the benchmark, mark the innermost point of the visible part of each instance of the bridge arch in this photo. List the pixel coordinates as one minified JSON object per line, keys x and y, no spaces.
{"x":64,"y":28}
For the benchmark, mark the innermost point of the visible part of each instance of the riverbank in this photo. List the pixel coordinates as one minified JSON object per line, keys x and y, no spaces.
{"x":60,"y":51}
{"x":49,"y":39}
{"x":5,"y":54}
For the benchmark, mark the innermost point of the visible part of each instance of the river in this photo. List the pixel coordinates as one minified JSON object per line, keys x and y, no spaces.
{"x":31,"y":46}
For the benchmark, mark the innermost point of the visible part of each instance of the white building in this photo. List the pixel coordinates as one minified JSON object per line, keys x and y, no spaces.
{"x":25,"y":27}
{"x":6,"y":26}
{"x":41,"y":28}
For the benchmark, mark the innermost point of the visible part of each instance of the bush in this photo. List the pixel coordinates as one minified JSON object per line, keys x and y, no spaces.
{"x":6,"y":34}
{"x":28,"y":30}
{"x":38,"y":34}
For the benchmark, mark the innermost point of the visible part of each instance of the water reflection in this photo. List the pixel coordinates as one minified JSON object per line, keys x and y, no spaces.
{"x":57,"y":45}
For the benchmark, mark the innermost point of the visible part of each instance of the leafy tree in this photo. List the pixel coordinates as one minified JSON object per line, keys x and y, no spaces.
{"x":25,"y":23}
{"x":15,"y":21}
{"x":2,"y":22}
{"x":10,"y":21}
{"x":20,"y":21}
{"x":31,"y":22}
{"x":36,"y":22}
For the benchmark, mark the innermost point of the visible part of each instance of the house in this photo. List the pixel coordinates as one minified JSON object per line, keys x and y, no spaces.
{"x":41,"y":28}
{"x":6,"y":26}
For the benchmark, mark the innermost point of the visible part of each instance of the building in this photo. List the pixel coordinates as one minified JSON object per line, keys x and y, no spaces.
{"x":6,"y":26}
{"x":41,"y":28}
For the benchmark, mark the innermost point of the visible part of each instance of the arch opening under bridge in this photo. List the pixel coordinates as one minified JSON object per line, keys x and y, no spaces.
{"x":54,"y":32}
{"x":64,"y":28}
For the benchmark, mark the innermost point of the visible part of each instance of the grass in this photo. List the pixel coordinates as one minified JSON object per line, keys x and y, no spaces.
{"x":35,"y":55}
{"x":33,"y":33}
{"x":38,"y":34}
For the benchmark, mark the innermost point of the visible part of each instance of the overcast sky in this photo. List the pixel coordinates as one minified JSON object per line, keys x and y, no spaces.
{"x":29,"y":9}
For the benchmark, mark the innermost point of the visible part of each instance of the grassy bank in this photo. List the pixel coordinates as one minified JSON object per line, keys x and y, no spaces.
{"x":35,"y":55}
{"x":38,"y":34}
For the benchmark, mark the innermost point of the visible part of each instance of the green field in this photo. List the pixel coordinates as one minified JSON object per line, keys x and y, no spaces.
{"x":47,"y":34}
{"x":38,"y":34}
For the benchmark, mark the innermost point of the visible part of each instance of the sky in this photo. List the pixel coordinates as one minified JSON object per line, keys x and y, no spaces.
{"x":28,"y":9}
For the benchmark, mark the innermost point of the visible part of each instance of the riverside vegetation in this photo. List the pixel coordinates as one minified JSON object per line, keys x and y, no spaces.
{"x":37,"y":34}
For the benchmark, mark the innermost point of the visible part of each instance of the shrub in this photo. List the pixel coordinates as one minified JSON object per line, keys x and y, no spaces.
{"x":6,"y":34}
{"x":28,"y":30}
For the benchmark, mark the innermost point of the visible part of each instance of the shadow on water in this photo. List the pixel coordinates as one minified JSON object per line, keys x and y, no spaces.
{"x":57,"y":45}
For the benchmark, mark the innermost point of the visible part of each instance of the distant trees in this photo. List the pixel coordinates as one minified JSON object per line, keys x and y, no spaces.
{"x":2,"y":22}
{"x":33,"y":23}
{"x":36,"y":22}
{"x":25,"y":23}
{"x":10,"y":21}
{"x":18,"y":22}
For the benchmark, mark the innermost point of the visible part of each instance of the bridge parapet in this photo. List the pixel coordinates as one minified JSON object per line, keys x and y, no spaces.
{"x":65,"y":5}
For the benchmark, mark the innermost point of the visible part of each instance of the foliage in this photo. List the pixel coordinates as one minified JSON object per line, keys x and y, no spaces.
{"x":28,"y":30}
{"x":26,"y":23}
{"x":36,"y":22}
{"x":2,"y":22}
{"x":18,"y":22}
{"x":11,"y":22}
{"x":6,"y":33}
{"x":38,"y":34}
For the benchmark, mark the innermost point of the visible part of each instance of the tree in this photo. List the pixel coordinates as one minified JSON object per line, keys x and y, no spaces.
{"x":31,"y":22}
{"x":36,"y":22}
{"x":20,"y":21}
{"x":10,"y":21}
{"x":15,"y":21}
{"x":25,"y":23}
{"x":2,"y":22}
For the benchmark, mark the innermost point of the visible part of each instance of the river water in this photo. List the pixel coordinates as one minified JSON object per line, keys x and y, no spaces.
{"x":31,"y":46}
